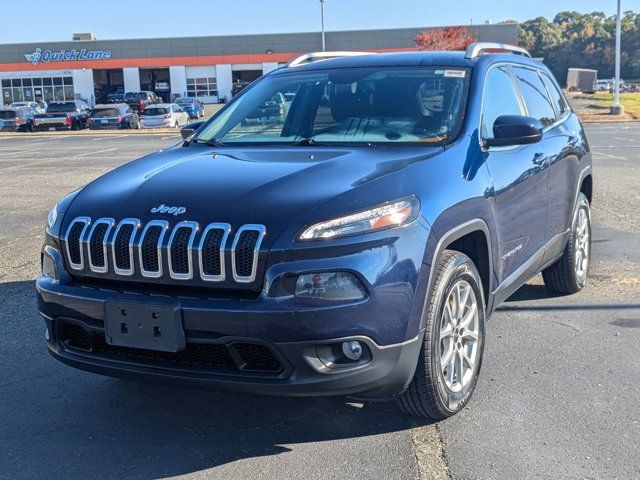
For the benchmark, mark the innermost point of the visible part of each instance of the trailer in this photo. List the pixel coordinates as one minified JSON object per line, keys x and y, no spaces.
{"x":582,"y":80}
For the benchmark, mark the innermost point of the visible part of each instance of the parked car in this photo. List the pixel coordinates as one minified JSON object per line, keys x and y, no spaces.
{"x":192,"y":106}
{"x":357,"y":249}
{"x":273,"y":110}
{"x":140,"y":100}
{"x":113,"y":116}
{"x":35,"y":106}
{"x":603,"y":86}
{"x":164,"y":115}
{"x":16,"y":119}
{"x":73,"y":115}
{"x":116,"y":97}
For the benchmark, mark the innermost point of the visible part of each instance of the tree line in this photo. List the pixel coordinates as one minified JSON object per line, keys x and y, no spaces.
{"x":583,"y":40}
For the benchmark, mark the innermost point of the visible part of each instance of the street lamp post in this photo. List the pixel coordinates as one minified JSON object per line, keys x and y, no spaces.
{"x":324,"y":47}
{"x":617,"y":109}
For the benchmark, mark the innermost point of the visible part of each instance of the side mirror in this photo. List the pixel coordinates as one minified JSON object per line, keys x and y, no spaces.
{"x":190,"y":129}
{"x":509,"y":130}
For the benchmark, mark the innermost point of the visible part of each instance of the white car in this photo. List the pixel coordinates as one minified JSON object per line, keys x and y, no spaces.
{"x":163,"y":115}
{"x":37,"y":108}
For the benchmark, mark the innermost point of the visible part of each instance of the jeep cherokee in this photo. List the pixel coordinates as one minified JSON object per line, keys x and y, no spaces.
{"x":355,"y":246}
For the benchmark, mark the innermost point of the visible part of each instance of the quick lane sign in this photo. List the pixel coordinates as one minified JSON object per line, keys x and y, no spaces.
{"x":49,"y":56}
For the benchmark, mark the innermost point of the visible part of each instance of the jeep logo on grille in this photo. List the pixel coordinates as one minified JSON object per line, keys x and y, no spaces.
{"x":162,"y":208}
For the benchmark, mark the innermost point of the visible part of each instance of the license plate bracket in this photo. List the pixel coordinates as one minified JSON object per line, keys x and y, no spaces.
{"x":144,"y":326}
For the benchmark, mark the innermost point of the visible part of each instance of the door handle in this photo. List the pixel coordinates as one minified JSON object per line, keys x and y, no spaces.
{"x":539,"y":159}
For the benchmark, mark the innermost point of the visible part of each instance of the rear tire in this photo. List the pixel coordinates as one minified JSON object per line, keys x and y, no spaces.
{"x":569,"y":274}
{"x":451,"y":353}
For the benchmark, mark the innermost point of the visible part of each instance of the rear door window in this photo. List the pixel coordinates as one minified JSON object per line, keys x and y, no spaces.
{"x":500,"y":98}
{"x":535,"y":96}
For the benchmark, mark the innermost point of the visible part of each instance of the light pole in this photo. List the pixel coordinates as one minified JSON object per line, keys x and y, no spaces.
{"x":616,"y":109}
{"x":324,"y":47}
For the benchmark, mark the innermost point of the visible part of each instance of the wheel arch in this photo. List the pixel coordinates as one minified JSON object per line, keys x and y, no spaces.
{"x":472,"y":238}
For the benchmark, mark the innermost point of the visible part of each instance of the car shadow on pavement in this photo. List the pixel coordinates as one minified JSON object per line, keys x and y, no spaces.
{"x":61,"y":422}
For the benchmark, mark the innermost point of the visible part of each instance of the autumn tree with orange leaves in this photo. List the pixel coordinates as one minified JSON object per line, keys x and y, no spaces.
{"x":449,"y":38}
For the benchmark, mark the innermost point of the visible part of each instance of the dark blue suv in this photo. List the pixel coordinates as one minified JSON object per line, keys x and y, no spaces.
{"x":355,"y":246}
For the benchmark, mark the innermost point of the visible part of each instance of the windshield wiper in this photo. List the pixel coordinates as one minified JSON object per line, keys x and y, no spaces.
{"x":212,"y":142}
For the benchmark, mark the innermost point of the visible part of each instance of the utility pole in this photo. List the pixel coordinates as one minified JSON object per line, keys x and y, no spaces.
{"x":324,"y":46}
{"x":617,"y":109}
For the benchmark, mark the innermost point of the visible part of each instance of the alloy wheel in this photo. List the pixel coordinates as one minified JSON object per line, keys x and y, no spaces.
{"x":459,"y":332}
{"x":582,"y":246}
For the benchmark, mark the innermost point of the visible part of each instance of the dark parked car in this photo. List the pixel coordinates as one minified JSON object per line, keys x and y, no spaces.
{"x":72,"y":115}
{"x":357,"y":248}
{"x":113,"y":116}
{"x":18,"y":119}
{"x":116,"y":97}
{"x":140,"y":100}
{"x":192,"y":106}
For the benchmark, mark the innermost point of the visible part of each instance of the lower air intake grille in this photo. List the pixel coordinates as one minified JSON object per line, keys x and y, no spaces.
{"x":249,"y":358}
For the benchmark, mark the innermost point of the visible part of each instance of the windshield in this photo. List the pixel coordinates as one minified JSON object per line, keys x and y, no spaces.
{"x":61,"y":107}
{"x":133,"y":96}
{"x":394,"y":105}
{"x":155,"y":111}
{"x":185,"y":100}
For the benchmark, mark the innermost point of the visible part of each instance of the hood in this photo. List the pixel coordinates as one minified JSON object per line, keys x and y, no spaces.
{"x":269,"y":186}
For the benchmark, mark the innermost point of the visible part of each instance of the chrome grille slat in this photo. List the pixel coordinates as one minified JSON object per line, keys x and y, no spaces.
{"x":238,"y":251}
{"x":110,"y":247}
{"x":212,"y":227}
{"x":93,"y":266}
{"x":188,"y":275}
{"x":86,"y":222}
{"x":135,"y":223}
{"x":149,"y":273}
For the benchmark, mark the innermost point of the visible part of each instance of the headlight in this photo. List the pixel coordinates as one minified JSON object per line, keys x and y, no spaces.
{"x":388,"y":215}
{"x":53,"y":216}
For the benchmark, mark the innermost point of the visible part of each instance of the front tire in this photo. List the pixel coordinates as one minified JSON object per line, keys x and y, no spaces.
{"x":569,"y":274}
{"x":453,"y":344}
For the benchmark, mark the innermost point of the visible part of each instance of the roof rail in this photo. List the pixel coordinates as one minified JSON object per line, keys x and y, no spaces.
{"x":319,"y":56}
{"x":477,"y":49}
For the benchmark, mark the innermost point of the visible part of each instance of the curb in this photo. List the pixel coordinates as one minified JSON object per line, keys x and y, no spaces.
{"x":81,"y":133}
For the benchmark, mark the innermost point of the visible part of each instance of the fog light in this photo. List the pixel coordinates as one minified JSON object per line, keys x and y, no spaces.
{"x":49,"y":266}
{"x":329,"y":286}
{"x":352,"y":350}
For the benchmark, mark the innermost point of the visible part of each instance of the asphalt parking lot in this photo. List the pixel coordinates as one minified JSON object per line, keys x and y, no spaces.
{"x":559,"y":395}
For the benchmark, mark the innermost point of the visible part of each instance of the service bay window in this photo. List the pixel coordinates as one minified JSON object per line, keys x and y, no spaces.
{"x":202,"y":87}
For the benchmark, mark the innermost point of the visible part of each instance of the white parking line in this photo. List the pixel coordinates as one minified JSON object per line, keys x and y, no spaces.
{"x":608,"y":155}
{"x":95,"y":153}
{"x":168,"y":138}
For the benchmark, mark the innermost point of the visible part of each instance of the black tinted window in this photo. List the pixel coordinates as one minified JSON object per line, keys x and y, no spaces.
{"x":132,"y":96}
{"x":535,"y":95}
{"x":500,"y":98}
{"x":156,"y":111}
{"x":61,"y":107}
{"x":556,"y":95}
{"x":7,"y":114}
{"x":105,"y":112}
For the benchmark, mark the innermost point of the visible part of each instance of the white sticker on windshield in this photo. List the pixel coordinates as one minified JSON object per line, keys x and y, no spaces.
{"x":455,"y":73}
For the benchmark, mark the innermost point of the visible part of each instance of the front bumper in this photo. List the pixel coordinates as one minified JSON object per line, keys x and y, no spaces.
{"x":295,"y":332}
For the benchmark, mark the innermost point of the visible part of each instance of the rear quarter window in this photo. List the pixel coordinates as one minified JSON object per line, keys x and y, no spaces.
{"x":535,"y":95}
{"x":556,"y":95}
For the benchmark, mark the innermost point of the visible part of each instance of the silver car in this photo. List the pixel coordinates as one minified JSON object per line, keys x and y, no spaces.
{"x":163,"y":115}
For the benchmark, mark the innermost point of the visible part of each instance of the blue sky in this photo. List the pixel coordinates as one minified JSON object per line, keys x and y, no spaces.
{"x":48,"y":20}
